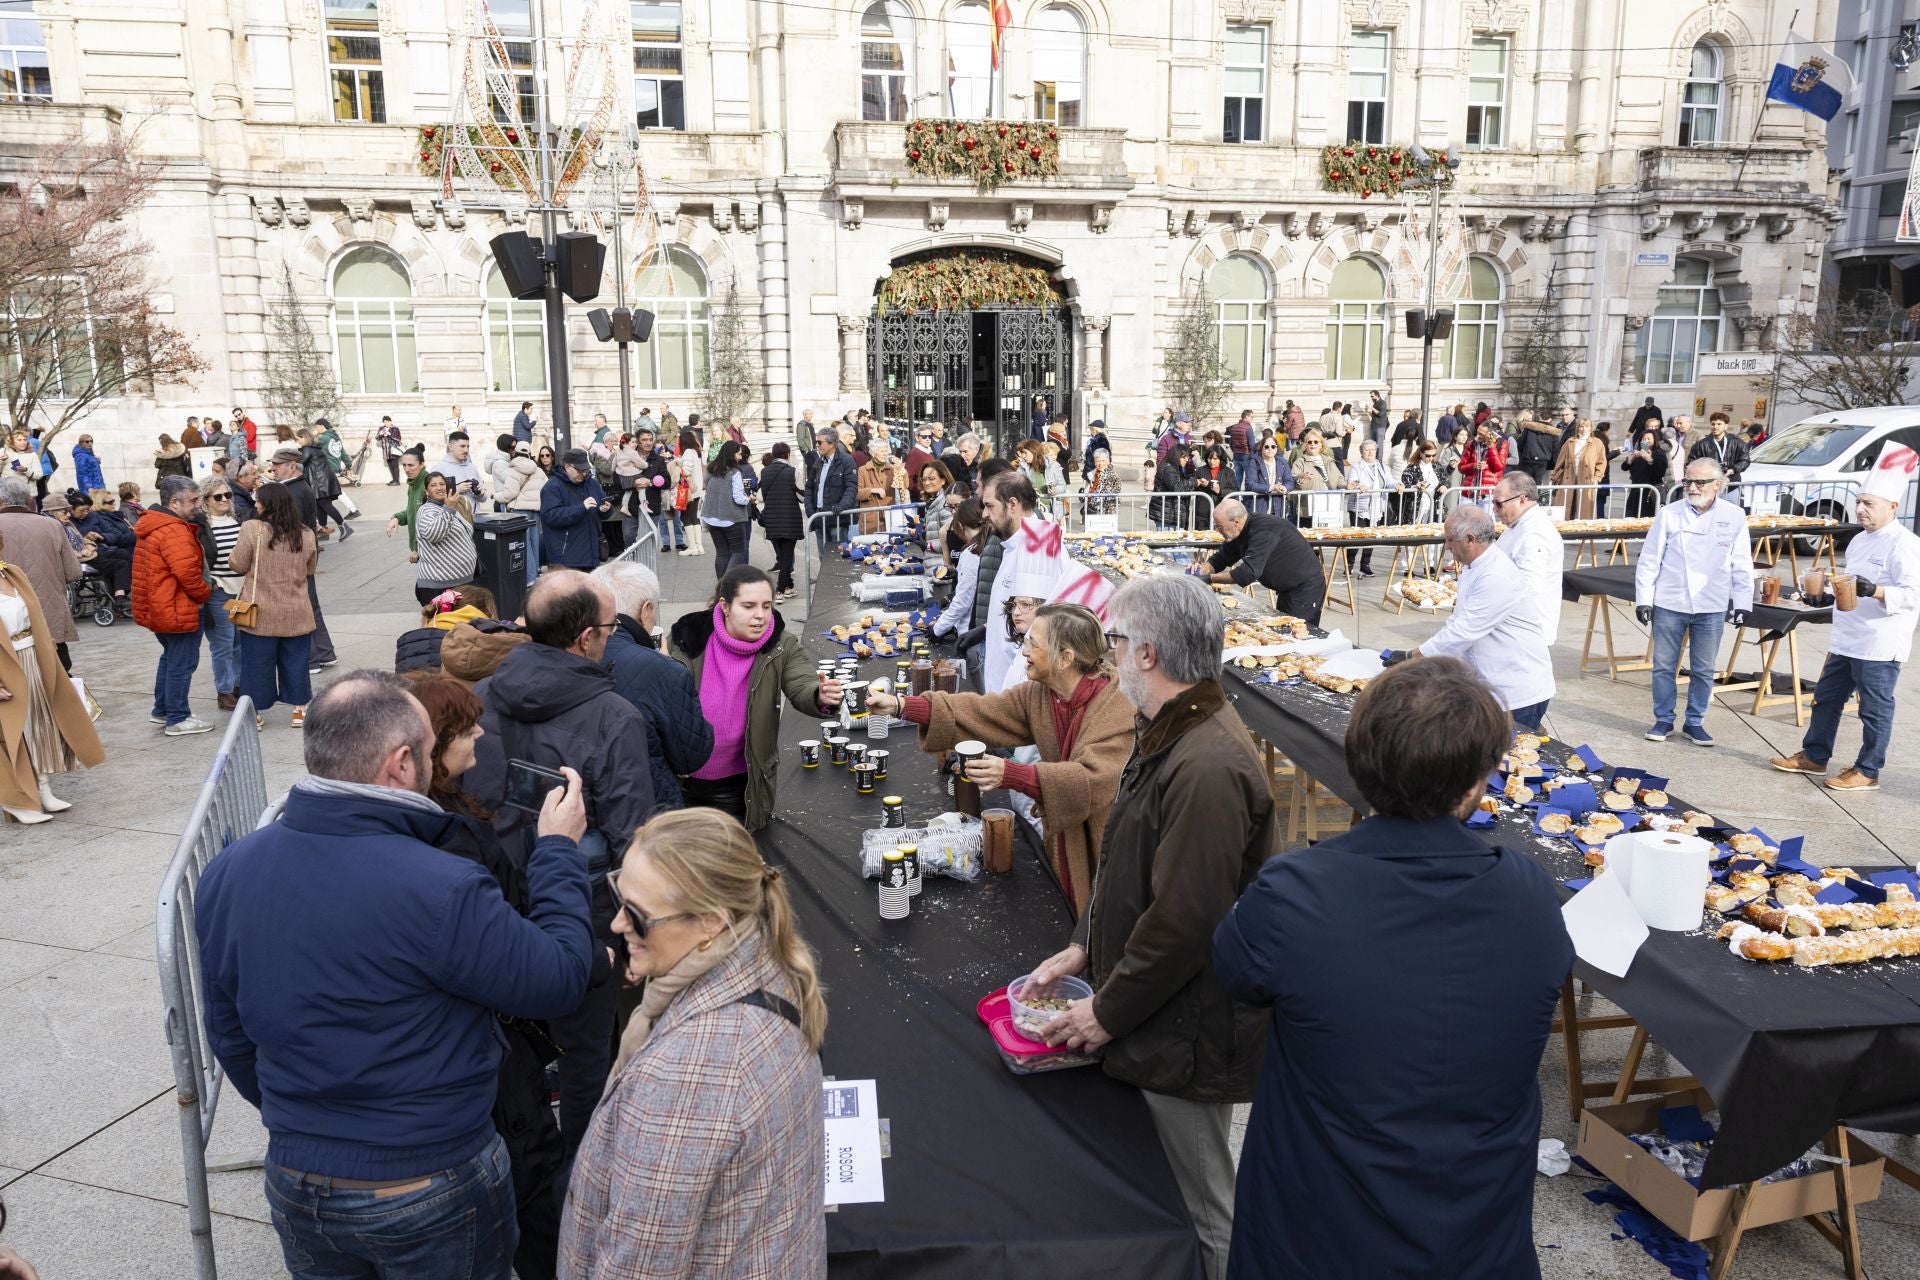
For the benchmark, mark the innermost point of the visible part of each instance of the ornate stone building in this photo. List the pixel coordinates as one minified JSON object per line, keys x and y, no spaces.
{"x":1606,"y":175}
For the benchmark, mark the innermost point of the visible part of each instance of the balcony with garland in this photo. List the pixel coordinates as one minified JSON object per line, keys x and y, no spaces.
{"x":952,"y":159}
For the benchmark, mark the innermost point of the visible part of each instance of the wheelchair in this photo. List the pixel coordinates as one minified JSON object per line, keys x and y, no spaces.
{"x":92,"y":597}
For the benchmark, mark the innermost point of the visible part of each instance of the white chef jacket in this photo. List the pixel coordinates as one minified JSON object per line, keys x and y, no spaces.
{"x":1696,"y":561}
{"x":1881,"y":630}
{"x":1016,"y":561}
{"x":1533,"y":543}
{"x":1497,"y":633}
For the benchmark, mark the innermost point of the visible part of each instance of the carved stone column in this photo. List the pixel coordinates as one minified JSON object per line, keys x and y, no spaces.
{"x":1630,"y":350}
{"x":853,"y":353}
{"x":1093,"y":352}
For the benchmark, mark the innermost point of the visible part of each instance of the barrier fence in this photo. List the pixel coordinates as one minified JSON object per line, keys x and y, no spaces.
{"x":232,"y":803}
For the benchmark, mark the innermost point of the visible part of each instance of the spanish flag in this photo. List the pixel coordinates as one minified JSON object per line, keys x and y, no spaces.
{"x":1002,"y":16}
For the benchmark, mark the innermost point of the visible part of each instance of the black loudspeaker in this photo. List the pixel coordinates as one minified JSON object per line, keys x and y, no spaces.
{"x":641,"y":322}
{"x":602,"y":324}
{"x":518,"y":257}
{"x":620,"y":324}
{"x":1442,"y":324}
{"x":580,"y":257}
{"x":1416,"y":323}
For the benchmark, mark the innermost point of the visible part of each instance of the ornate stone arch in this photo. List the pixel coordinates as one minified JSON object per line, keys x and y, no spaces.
{"x":323,"y":244}
{"x":1263,"y":244}
{"x":1717,"y":25}
{"x":1347,"y":242}
{"x":1027,"y":246}
{"x":1521,"y":275}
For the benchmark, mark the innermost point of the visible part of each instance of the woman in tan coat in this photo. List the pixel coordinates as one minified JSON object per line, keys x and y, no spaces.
{"x":274,"y":557}
{"x":1072,"y":710}
{"x":877,"y":482}
{"x":1583,"y":460}
{"x":44,"y":728}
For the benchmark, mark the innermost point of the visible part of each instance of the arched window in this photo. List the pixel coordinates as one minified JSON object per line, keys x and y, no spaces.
{"x":1238,"y":286}
{"x":1473,"y":352}
{"x":1685,"y":324}
{"x":886,"y":61}
{"x":516,"y":339}
{"x":970,"y":76}
{"x":674,"y":287}
{"x":1356,"y":322}
{"x":1060,"y":66}
{"x":373,"y":323}
{"x":1700,"y":99}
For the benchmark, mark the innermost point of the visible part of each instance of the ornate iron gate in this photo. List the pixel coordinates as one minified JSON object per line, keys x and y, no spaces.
{"x":1033,"y":358}
{"x":919,"y":366}
{"x":922,"y":366}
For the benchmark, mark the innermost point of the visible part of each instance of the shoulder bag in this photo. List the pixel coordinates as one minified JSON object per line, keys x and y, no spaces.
{"x":245,"y":612}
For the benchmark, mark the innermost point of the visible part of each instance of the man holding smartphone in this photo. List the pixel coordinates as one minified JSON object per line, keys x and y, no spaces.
{"x":571,"y":507}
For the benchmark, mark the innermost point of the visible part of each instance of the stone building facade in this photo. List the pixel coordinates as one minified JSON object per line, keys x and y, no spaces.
{"x":1606,"y":175}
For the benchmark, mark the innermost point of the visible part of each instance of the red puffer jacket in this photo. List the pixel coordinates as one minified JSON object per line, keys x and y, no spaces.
{"x":169,"y":578}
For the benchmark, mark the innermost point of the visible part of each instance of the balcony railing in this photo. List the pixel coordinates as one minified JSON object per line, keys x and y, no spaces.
{"x":1709,"y":168}
{"x":869,"y":155}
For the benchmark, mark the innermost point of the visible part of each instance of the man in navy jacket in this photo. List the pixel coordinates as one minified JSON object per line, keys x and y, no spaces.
{"x":571,"y":507}
{"x":831,"y":485}
{"x":679,"y":739}
{"x":1412,"y":971}
{"x":353,"y":975}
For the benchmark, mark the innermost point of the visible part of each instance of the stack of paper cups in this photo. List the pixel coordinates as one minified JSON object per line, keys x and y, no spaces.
{"x":877,"y":724}
{"x":895,"y":903}
{"x":1665,"y":876}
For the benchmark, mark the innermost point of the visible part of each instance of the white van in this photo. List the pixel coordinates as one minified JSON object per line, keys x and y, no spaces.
{"x":1816,"y":465}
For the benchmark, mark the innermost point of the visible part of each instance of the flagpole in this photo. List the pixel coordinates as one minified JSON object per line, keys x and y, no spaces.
{"x":1740,"y":174}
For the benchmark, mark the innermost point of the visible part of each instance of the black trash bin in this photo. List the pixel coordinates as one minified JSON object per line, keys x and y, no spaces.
{"x":500,"y":552}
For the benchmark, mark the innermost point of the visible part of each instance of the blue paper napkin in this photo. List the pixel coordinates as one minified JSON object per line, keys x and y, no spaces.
{"x":1908,"y":878}
{"x":1576,"y":797}
{"x":1685,"y":1124}
{"x":1543,"y":812}
{"x":1837,"y":892}
{"x":1480,"y":818}
{"x":1865,"y":890}
{"x":1589,"y":759}
{"x":1578,"y":885}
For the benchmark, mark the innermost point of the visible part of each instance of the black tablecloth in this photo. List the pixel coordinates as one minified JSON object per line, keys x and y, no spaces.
{"x":1616,"y":580}
{"x":991,"y":1174}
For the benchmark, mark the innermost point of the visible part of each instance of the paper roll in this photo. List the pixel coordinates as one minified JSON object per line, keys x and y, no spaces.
{"x":1665,"y":876}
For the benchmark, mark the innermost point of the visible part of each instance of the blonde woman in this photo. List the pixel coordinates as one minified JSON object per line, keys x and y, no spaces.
{"x":1582,"y":461}
{"x":44,"y":727}
{"x":705,"y":1155}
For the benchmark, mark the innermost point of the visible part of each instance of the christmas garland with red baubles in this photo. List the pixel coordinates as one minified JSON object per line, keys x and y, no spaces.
{"x":1367,"y":170}
{"x":987,"y":152}
{"x":432,"y":140}
{"x":962,"y":279}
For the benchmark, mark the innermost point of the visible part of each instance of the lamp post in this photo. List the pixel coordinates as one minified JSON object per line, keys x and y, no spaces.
{"x":1433,"y":324}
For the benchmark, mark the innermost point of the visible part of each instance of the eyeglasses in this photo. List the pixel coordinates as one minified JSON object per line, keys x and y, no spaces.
{"x":1501,"y":502}
{"x":641,"y":924}
{"x":1114,"y":637}
{"x":603,"y":626}
{"x":1691,"y":483}
{"x":226,"y":496}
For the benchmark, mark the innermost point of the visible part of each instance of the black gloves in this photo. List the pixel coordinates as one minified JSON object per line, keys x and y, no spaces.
{"x":1644,"y":613}
{"x":1393,"y":657}
{"x":1737,"y":616}
{"x":1864,"y":587}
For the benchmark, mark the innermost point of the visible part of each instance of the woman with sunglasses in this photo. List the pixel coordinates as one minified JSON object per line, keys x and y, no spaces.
{"x":743,"y":658}
{"x":219,"y":532}
{"x":1269,"y":477}
{"x":722,"y":1057}
{"x":274,"y":556}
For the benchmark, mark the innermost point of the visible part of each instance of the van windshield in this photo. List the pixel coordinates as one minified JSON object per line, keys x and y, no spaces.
{"x":1811,"y":444}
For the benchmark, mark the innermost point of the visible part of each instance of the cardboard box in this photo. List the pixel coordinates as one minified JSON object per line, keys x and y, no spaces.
{"x":1696,"y":1214}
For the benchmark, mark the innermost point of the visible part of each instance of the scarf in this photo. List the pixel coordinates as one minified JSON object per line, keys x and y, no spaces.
{"x":1068,"y":715}
{"x":723,"y":697}
{"x":366,"y":791}
{"x":660,"y":993}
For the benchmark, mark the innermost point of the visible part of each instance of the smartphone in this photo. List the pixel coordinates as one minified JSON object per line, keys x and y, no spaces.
{"x":528,"y":785}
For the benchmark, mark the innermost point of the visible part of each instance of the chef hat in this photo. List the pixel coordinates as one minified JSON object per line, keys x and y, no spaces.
{"x":1035,"y":586}
{"x":1893,"y":474}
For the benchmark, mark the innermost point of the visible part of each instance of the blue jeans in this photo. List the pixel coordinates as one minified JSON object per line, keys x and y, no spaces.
{"x":533,"y":551}
{"x":1702,"y":631}
{"x":1241,"y":461}
{"x":667,"y":525}
{"x":460,"y":1226}
{"x":274,"y":669}
{"x":173,"y":678}
{"x":1839,"y":680}
{"x":219,"y":632}
{"x":1529,"y":717}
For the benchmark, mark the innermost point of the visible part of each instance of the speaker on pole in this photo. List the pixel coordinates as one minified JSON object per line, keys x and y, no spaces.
{"x":579,"y":257}
{"x":1416,"y":323}
{"x":1442,"y":324}
{"x":620,"y":324}
{"x":518,"y":257}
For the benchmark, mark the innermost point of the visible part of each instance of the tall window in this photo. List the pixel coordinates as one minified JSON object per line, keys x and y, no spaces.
{"x":1060,"y":66}
{"x":674,"y":358}
{"x":886,"y":61}
{"x":970,"y":74}
{"x":659,"y":97}
{"x":516,"y":339}
{"x":373,"y":323}
{"x":1700,"y":99}
{"x":353,"y":61}
{"x":1356,"y":322}
{"x":1685,"y":324}
{"x":1238,"y":286}
{"x":53,"y":343}
{"x":1473,"y":352}
{"x":515,"y":25}
{"x":1487,"y":92}
{"x":1246,"y":85}
{"x":23,"y":55}
{"x":1368,"y":61}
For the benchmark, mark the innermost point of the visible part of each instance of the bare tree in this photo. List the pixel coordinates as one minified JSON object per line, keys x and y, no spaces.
{"x":1536,"y":372}
{"x":1849,"y":353}
{"x":1196,"y":379}
{"x":733,"y":375}
{"x":298,"y":384}
{"x":79,"y":319}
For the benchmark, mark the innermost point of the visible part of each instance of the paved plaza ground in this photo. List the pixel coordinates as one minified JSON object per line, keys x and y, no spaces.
{"x":89,"y":1135}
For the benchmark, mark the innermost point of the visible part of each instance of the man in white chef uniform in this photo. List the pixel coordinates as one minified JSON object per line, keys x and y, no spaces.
{"x":1033,"y":550}
{"x":1532,"y":541}
{"x":1873,"y":638}
{"x":1494,"y":628}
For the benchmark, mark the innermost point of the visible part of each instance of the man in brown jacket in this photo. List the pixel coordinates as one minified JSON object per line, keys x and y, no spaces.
{"x":38,"y":544}
{"x":1190,"y":827}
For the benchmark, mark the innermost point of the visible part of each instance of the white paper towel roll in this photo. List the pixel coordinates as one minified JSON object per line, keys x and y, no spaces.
{"x":1665,"y":875}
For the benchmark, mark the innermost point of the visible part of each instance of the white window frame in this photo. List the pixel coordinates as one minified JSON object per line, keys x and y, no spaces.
{"x":894,"y":88}
{"x":1368,"y":38}
{"x":661,"y":79}
{"x":1234,"y":116}
{"x":1488,"y":117}
{"x":1369,"y":316}
{"x":367,"y":103}
{"x":1485,"y":315}
{"x":971,"y":94}
{"x":1691,"y":113}
{"x":678,"y":319}
{"x":511,"y":318}
{"x":516,"y":32}
{"x":1245,"y":323}
{"x":1661,"y":333}
{"x":353,"y":318}
{"x":1048,"y":103}
{"x":19,"y":318}
{"x":12,"y":46}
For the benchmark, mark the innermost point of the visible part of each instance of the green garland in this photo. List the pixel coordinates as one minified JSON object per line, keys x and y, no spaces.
{"x":987,"y":152}
{"x":432,"y":140}
{"x":962,"y":279}
{"x":1366,"y":170}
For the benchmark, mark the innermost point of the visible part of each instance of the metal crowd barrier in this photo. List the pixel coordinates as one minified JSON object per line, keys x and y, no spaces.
{"x":232,"y":803}
{"x":645,"y":547}
{"x":1821,"y":499}
{"x":1133,"y":512}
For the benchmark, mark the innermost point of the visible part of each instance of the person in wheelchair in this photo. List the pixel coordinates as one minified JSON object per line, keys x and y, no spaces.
{"x":111,"y":540}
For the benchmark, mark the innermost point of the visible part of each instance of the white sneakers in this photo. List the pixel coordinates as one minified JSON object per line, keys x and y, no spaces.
{"x":187,"y":727}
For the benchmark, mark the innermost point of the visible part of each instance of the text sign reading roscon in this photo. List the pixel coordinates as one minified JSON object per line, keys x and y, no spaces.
{"x":852,"y":1112}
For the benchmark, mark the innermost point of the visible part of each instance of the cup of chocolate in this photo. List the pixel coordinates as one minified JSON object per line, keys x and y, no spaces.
{"x":809,"y":753}
{"x":837,"y":749}
{"x":1814,"y":582}
{"x":1846,"y":592}
{"x":1769,"y":590}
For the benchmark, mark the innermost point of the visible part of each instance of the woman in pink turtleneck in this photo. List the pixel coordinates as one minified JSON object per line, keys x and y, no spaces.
{"x":742,"y":658}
